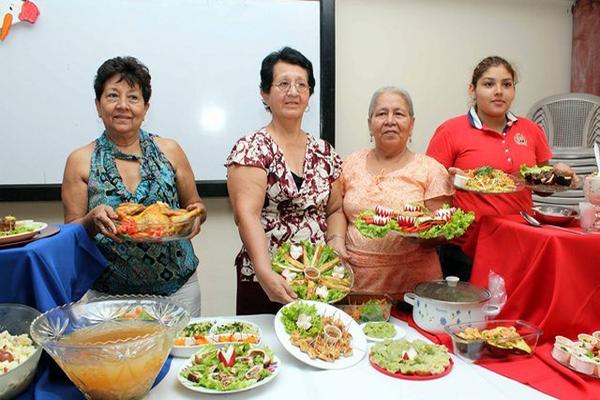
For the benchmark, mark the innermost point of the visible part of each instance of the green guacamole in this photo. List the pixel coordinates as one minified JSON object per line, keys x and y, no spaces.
{"x":379,"y":330}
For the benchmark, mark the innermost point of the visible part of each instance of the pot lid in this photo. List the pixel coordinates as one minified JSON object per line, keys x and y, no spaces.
{"x":452,"y":290}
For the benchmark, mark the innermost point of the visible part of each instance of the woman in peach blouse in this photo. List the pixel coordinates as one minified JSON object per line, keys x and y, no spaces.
{"x":390,"y":175}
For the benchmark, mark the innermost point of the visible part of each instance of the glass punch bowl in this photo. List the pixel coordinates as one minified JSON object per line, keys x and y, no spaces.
{"x":111,"y":347}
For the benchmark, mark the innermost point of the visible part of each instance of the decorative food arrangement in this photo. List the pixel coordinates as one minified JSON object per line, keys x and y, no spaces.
{"x":405,"y":359}
{"x":381,"y":330}
{"x":323,"y":337}
{"x":235,"y":368}
{"x":201,"y":332}
{"x":414,"y":220}
{"x":486,"y":180}
{"x":14,"y":350}
{"x":496,"y":339}
{"x":546,"y":179}
{"x":582,"y":356}
{"x":156,"y":222}
{"x":314,"y":271}
{"x":320,"y":335}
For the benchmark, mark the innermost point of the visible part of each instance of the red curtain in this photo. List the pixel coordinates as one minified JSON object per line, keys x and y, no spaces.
{"x":585,"y":58}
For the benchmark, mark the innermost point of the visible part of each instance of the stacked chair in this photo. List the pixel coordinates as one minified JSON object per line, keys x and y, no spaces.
{"x":572,"y":125}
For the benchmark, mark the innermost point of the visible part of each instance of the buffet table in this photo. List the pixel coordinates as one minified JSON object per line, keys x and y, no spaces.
{"x":552,"y":280}
{"x":52,"y":271}
{"x":552,"y":277}
{"x":300,"y":381}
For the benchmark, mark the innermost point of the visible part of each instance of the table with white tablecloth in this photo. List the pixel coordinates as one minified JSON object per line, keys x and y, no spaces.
{"x":297,"y":380}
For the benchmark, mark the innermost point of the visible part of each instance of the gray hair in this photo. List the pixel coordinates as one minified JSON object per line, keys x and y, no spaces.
{"x":394,"y":90}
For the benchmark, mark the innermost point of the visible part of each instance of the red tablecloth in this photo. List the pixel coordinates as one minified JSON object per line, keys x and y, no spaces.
{"x":552,"y":277}
{"x":539,"y":371}
{"x":552,"y":280}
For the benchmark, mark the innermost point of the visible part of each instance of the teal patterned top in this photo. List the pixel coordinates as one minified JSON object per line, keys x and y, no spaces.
{"x":138,"y":268}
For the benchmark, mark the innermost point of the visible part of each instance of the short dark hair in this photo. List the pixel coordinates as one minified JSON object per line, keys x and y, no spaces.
{"x":130,"y":69}
{"x":290,"y":56}
{"x":489,"y":62}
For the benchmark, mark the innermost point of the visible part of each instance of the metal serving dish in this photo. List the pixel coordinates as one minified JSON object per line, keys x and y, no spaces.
{"x":555,"y":215}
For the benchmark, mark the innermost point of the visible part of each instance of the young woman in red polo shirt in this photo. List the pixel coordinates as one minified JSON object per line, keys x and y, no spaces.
{"x":488,"y":135}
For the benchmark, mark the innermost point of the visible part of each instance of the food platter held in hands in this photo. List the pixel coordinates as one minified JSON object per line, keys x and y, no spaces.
{"x":414,"y":220}
{"x":232,"y":369}
{"x":487,"y":180}
{"x":154,"y":223}
{"x":546,"y":179}
{"x":314,"y":271}
{"x":320,"y":335}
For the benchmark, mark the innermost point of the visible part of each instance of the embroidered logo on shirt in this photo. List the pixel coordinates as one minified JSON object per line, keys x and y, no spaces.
{"x":520,"y":139}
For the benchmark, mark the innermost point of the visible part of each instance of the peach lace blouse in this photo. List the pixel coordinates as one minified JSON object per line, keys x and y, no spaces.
{"x":390,"y":264}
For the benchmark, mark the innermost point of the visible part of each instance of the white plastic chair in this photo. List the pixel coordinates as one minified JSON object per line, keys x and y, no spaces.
{"x":571,"y":122}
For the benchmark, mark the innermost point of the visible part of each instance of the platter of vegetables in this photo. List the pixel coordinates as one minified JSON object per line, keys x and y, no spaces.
{"x":231,"y":369}
{"x":314,"y":271}
{"x":414,"y":220}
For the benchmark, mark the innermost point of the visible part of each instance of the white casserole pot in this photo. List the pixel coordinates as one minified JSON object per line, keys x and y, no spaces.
{"x":444,"y":302}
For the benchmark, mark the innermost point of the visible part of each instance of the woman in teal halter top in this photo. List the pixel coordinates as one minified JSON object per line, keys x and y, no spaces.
{"x":128,"y":164}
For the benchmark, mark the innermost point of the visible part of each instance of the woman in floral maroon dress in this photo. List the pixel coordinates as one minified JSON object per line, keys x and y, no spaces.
{"x":283,"y":184}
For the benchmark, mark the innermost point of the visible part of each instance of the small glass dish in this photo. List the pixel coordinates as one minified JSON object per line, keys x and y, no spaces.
{"x":154,"y":232}
{"x":505,"y":348}
{"x":554,"y":215}
{"x":16,"y":319}
{"x":367,"y":307}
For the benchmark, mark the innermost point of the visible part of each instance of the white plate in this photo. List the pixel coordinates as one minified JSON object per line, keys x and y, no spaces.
{"x":25,"y":235}
{"x":460,"y":182}
{"x":188,"y":351}
{"x":214,"y":335}
{"x":359,"y":341}
{"x":400,"y":333}
{"x":276,"y":364}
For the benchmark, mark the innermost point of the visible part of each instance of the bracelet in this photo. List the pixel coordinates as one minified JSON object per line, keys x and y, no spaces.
{"x":335,"y":235}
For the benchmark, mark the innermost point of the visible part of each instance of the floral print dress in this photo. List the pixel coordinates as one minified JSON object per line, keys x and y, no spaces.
{"x":289,"y":212}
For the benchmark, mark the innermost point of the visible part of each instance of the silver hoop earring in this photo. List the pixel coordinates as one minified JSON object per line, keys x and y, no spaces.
{"x":371,"y":138}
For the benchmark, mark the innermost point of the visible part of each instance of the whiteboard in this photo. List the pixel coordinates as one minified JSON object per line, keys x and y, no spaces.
{"x":204,"y":57}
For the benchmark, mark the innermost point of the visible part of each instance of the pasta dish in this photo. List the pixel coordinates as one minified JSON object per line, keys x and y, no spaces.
{"x":488,"y":179}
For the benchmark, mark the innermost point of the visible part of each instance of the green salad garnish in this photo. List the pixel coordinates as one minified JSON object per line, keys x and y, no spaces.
{"x":290,"y":315}
{"x":410,"y":358}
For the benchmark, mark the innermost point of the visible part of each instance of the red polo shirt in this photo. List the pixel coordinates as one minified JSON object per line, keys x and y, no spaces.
{"x":464,"y":142}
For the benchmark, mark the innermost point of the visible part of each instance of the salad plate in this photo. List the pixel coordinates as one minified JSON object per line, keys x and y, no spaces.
{"x":208,"y":371}
{"x":201,"y":332}
{"x":376,"y":332}
{"x":315,"y":311}
{"x":412,"y":377}
{"x":24,"y":230}
{"x":415,"y":221}
{"x":415,"y":360}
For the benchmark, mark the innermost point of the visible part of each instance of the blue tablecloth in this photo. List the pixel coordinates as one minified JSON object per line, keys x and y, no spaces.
{"x":45,"y":274}
{"x":52,"y":271}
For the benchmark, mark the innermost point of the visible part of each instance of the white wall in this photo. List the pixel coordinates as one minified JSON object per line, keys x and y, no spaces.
{"x":429,"y":47}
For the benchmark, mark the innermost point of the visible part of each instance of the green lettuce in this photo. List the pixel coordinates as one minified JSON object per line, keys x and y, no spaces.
{"x":290,"y":314}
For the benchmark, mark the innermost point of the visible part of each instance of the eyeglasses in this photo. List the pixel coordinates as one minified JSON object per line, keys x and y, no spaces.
{"x":285,"y":86}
